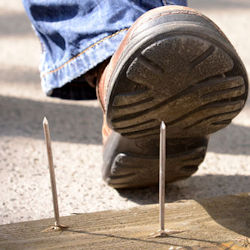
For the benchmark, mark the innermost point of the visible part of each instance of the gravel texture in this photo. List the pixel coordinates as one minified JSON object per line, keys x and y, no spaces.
{"x":76,"y":127}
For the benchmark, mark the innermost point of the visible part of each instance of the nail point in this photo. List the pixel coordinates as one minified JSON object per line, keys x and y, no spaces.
{"x":163,"y":125}
{"x":45,"y":121}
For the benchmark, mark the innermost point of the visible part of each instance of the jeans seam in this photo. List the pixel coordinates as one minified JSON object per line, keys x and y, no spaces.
{"x":81,"y":53}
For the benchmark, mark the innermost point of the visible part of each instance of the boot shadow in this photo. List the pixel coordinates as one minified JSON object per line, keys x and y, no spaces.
{"x":232,"y":212}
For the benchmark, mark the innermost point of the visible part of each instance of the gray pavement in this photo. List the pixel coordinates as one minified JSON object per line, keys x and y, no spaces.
{"x":76,"y":128}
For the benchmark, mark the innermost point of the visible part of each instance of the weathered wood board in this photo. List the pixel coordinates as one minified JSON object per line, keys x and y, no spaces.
{"x":218,"y":223}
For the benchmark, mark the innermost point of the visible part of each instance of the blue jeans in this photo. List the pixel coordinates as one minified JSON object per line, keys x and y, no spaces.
{"x":76,"y":35}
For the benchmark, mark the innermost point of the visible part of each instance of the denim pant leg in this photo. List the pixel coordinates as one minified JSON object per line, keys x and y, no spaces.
{"x":76,"y":35}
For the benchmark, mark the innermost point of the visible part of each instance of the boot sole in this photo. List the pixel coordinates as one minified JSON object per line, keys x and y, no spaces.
{"x":187,"y":77}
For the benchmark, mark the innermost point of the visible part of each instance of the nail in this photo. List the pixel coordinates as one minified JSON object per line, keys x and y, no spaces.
{"x":51,"y":171}
{"x":162,"y":177}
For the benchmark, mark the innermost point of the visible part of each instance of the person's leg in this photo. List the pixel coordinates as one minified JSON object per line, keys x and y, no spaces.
{"x":77,"y":35}
{"x":173,"y":64}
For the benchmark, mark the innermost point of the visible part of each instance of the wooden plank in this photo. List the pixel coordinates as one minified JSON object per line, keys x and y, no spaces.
{"x":215,"y":223}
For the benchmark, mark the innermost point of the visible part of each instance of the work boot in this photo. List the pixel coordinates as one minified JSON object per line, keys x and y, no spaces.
{"x":174,"y":65}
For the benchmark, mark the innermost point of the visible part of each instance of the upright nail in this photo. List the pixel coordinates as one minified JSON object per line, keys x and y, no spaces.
{"x":51,"y":171}
{"x":162,"y":177}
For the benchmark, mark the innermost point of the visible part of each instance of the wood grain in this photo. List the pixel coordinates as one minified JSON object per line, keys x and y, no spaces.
{"x":216,"y":223}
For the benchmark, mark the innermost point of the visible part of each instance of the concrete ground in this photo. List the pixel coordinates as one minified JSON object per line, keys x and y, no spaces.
{"x":76,"y":126}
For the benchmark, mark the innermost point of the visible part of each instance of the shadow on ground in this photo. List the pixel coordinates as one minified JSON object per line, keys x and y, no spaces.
{"x":232,"y":212}
{"x":233,"y":140}
{"x":68,"y":122}
{"x":10,"y":21}
{"x":82,"y":124}
{"x":219,"y":4}
{"x":196,"y":187}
